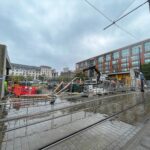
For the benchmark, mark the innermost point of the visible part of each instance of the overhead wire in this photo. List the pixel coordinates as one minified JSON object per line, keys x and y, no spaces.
{"x":105,"y":16}
{"x":115,"y":21}
{"x":124,"y":10}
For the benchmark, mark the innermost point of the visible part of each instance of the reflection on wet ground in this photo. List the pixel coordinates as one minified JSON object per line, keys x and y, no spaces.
{"x":47,"y":127}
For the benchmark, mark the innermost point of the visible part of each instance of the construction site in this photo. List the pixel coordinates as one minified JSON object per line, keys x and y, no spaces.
{"x":104,"y":104}
{"x":94,"y":114}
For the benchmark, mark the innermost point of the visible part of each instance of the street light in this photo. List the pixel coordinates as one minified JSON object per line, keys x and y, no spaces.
{"x":140,"y":58}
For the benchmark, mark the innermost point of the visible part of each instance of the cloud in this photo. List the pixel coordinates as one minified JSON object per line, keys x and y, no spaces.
{"x":60,"y":33}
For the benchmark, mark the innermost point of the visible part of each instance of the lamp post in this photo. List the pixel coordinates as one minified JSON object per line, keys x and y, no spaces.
{"x":140,"y":66}
{"x":141,"y":74}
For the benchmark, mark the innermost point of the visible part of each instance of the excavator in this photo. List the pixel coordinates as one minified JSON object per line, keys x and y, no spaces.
{"x":95,"y":68}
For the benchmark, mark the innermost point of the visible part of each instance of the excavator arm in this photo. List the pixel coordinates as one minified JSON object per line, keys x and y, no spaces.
{"x":96,"y":70}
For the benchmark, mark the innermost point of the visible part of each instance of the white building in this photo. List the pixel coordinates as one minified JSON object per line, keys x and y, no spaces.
{"x":33,"y":71}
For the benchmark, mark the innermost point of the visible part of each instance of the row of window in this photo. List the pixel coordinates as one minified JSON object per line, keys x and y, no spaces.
{"x":126,"y":52}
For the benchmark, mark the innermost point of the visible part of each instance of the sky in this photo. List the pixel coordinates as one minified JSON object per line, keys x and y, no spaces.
{"x":60,"y":33}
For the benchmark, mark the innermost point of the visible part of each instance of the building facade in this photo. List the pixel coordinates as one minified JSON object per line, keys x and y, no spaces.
{"x":4,"y":68}
{"x":66,"y":73}
{"x":121,"y":60}
{"x":32,"y":71}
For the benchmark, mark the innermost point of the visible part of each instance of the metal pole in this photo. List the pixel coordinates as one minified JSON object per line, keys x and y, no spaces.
{"x":149,"y":4}
{"x":140,"y":59}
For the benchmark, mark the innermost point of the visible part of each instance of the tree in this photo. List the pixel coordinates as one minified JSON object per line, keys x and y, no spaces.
{"x":41,"y":77}
{"x":146,"y":70}
{"x":16,"y":79}
{"x":81,"y":75}
{"x":29,"y":78}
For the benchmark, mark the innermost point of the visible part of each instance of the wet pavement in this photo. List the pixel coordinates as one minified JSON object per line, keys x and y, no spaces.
{"x":114,"y":133}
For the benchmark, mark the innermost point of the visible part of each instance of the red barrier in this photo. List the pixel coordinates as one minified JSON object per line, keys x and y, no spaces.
{"x":24,"y":90}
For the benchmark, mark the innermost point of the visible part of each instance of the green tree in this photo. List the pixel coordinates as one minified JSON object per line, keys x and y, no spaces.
{"x":64,"y":78}
{"x":81,"y":75}
{"x":146,"y":70}
{"x":16,"y":79}
{"x":29,"y":78}
{"x":41,"y":77}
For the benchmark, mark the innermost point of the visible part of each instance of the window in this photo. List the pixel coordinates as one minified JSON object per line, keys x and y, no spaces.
{"x":114,"y":62}
{"x":135,"y":63}
{"x":100,"y":59}
{"x":135,"y":58}
{"x":147,"y":60}
{"x":147,"y":47}
{"x":124,"y":60}
{"x":77,"y":66}
{"x":115,"y":68}
{"x":116,"y":55}
{"x":91,"y":63}
{"x":108,"y":57}
{"x":136,"y":50}
{"x":147,"y":55}
{"x":81,"y":65}
{"x":125,"y":52}
{"x":124,"y":65}
{"x":107,"y":66}
{"x":124,"y":69}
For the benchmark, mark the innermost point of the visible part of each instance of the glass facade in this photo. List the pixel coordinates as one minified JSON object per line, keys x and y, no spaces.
{"x":135,"y":58}
{"x":107,"y":66}
{"x":100,"y":59}
{"x":147,"y":55}
{"x":124,"y":69}
{"x":108,"y":57}
{"x":115,"y":68}
{"x":125,"y":52}
{"x":147,"y":47}
{"x":135,"y":63}
{"x":124,"y":60}
{"x":147,"y":60}
{"x":124,"y":65}
{"x":116,"y":55}
{"x":136,"y":49}
{"x":114,"y":62}
{"x":100,"y":67}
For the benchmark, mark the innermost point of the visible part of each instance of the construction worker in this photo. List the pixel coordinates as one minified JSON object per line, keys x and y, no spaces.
{"x":6,"y":87}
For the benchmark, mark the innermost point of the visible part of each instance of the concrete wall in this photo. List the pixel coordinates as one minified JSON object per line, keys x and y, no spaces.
{"x":2,"y":69}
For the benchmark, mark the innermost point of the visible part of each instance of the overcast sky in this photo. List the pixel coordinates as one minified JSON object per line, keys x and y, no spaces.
{"x":59,"y":33}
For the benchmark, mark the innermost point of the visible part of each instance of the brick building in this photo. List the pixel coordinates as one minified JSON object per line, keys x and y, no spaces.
{"x":117,"y":63}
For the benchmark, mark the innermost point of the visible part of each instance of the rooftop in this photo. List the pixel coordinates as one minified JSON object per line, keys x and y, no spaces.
{"x":134,"y":44}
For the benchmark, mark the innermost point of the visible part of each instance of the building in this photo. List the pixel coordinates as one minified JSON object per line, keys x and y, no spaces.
{"x":66,"y":73}
{"x":32,"y":71}
{"x":5,"y":66}
{"x":117,"y":63}
{"x":54,"y":73}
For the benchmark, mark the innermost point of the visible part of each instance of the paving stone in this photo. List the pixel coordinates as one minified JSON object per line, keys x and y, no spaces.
{"x":145,"y":142}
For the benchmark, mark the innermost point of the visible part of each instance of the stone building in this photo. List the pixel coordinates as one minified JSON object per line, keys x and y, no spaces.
{"x":66,"y":73}
{"x":33,"y":71}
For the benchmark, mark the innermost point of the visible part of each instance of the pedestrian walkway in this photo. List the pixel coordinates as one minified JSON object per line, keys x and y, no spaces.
{"x":142,"y":140}
{"x":110,"y":134}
